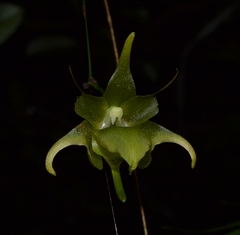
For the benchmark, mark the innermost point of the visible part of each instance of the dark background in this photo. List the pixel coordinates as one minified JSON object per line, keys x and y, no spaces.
{"x":200,"y":38}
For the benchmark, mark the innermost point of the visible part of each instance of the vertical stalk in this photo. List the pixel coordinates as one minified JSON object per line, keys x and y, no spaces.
{"x":91,"y":81}
{"x":109,"y":19}
{"x":87,"y":39}
{"x":144,"y":222}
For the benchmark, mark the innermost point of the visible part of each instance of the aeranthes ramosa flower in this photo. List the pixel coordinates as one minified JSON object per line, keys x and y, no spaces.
{"x":117,"y":127}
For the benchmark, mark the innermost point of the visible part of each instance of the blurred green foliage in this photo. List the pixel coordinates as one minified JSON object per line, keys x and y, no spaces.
{"x":11,"y":17}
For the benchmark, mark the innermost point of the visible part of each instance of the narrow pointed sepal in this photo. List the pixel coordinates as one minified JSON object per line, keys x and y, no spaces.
{"x":121,"y":81}
{"x":159,"y":134}
{"x":80,"y":135}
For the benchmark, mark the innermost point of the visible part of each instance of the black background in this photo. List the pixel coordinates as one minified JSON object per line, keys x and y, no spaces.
{"x":200,"y":38}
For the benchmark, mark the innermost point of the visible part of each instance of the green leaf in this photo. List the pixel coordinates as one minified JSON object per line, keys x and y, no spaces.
{"x":139,"y":109}
{"x":121,"y":85}
{"x":11,"y":17}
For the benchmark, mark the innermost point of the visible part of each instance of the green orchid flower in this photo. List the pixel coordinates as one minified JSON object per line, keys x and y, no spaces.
{"x":117,"y":127}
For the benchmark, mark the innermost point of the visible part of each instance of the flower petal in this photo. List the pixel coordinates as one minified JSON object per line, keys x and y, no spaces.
{"x":80,"y":135}
{"x":91,"y":108}
{"x":139,"y":109}
{"x":121,"y":85}
{"x":159,"y":134}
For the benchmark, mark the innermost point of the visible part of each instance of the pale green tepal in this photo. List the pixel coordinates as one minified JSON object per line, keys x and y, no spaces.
{"x":117,"y":126}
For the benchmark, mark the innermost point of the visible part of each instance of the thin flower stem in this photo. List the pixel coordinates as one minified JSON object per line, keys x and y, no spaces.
{"x":87,"y":38}
{"x":144,"y":222}
{"x":91,"y":81}
{"x":109,"y":19}
{"x":110,"y":198}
